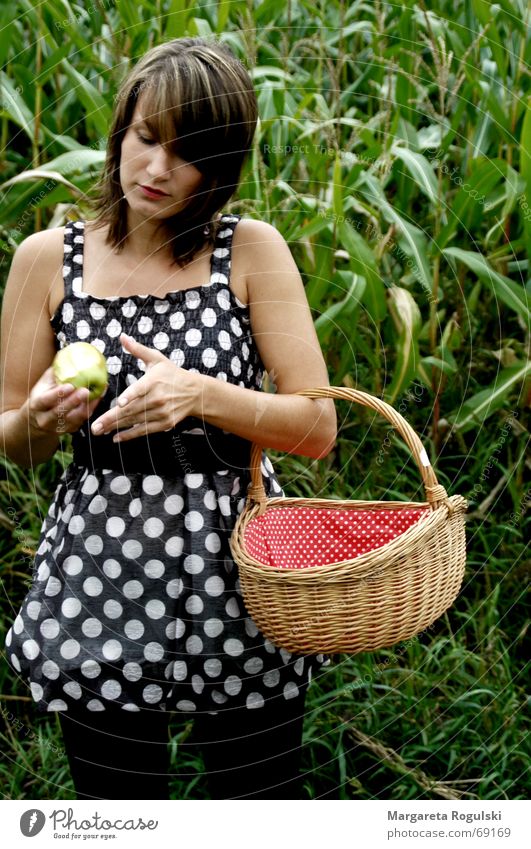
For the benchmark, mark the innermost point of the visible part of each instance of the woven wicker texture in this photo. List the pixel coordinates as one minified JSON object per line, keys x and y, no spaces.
{"x":377,"y":597}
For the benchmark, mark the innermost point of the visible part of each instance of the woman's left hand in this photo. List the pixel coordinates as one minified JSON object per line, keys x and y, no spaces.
{"x":160,"y":399}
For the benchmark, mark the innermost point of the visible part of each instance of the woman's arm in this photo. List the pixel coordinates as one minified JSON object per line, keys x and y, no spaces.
{"x":27,"y":351}
{"x":283,"y":422}
{"x":284,"y":333}
{"x":27,"y":347}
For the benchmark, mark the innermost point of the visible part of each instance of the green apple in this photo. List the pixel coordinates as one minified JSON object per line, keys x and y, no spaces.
{"x":81,"y":364}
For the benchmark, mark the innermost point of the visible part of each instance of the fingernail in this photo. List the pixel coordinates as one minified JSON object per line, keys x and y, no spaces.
{"x":123,"y":401}
{"x":97,"y":427}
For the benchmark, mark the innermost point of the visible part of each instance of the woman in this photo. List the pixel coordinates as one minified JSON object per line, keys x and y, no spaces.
{"x":135,"y":608}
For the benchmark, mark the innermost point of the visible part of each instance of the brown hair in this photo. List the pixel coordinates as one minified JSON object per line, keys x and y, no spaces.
{"x":200,"y":103}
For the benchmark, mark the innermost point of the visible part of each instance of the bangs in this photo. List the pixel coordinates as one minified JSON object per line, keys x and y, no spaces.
{"x":162,"y":113}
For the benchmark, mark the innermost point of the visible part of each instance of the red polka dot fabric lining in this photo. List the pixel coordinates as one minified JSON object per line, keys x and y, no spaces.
{"x":308,"y":536}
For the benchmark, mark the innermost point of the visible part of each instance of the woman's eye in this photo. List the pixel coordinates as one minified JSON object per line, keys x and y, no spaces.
{"x":145,"y":139}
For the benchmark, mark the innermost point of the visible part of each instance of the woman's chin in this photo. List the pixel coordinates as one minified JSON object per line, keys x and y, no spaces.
{"x":149,"y":210}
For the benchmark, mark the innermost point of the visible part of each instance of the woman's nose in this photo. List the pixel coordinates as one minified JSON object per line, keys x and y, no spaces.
{"x":160,"y":162}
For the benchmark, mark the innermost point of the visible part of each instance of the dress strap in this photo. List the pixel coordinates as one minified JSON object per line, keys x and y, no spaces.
{"x":221,"y":257}
{"x":74,"y":240}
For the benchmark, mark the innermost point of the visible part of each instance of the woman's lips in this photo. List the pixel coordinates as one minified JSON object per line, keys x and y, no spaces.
{"x":154,"y":194}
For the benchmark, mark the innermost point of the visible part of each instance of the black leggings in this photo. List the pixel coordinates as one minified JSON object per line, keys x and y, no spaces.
{"x":248,"y":753}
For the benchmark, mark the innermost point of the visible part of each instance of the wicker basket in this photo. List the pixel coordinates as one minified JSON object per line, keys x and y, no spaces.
{"x":364,"y":601}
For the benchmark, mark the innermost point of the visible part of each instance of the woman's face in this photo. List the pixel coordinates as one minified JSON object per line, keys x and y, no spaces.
{"x":155,"y":181}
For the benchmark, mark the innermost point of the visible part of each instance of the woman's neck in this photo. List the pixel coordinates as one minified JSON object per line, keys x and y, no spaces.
{"x":146,"y":239}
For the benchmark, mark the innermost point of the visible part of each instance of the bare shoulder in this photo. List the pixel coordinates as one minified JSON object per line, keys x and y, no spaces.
{"x":267,"y":261}
{"x":281,"y":319}
{"x":36,"y":269}
{"x":27,"y":339}
{"x":265,"y":258}
{"x":45,"y":240}
{"x":254,"y":235}
{"x":46,"y":245}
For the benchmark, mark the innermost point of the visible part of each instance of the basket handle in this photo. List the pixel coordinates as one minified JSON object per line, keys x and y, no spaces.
{"x":435,"y":492}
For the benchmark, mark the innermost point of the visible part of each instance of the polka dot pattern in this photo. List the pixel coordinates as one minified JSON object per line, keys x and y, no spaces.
{"x":299,"y":537}
{"x":139,"y":603}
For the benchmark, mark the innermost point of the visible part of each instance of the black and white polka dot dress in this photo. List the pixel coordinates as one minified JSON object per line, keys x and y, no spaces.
{"x":135,"y":599}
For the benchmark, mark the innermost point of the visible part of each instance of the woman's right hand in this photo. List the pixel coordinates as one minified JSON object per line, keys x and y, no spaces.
{"x":59,"y":407}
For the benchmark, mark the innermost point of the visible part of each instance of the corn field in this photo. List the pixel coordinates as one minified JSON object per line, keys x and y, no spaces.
{"x":393,"y":153}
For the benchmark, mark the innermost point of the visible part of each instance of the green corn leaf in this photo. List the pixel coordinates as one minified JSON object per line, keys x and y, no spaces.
{"x":467,"y":206}
{"x":266,"y":102}
{"x":357,"y":26}
{"x":513,"y":10}
{"x":20,"y":197}
{"x":405,"y":132}
{"x":499,"y":113}
{"x":128,"y":12}
{"x":525,"y":169}
{"x":443,"y":366}
{"x":64,"y":26}
{"x":514,"y":185}
{"x":14,"y":106}
{"x":407,"y":320}
{"x":513,"y":295}
{"x":200,"y":27}
{"x":7,"y":28}
{"x":97,"y":109}
{"x":66,"y":142}
{"x":265,"y":12}
{"x":486,"y":14}
{"x":404,"y":87}
{"x":341,"y":314}
{"x":420,"y":170}
{"x":321,"y":126}
{"x":478,"y":408}
{"x":481,"y":140}
{"x":414,"y":238}
{"x":223,"y":15}
{"x":49,"y":67}
{"x":305,"y":230}
{"x":363,"y":262}
{"x":337,"y":188}
{"x":34,"y":174}
{"x":77,"y":161}
{"x":270,"y":71}
{"x":176,"y":19}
